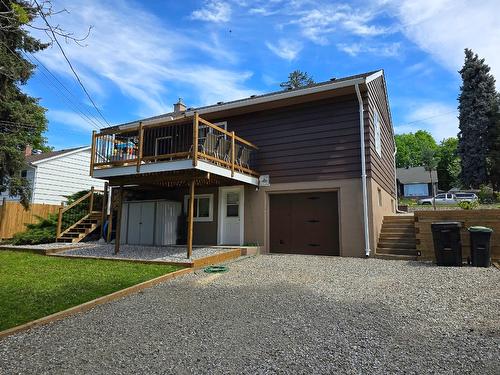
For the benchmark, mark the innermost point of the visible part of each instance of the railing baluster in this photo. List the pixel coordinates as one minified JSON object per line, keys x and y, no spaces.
{"x":232,"y":153}
{"x":195,"y":139}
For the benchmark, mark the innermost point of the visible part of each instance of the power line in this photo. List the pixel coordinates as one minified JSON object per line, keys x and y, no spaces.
{"x":69,"y":63}
{"x":428,"y":118}
{"x":93,"y":121}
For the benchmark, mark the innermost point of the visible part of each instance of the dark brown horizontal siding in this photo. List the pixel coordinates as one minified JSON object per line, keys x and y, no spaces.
{"x":380,"y":168}
{"x":307,"y":142}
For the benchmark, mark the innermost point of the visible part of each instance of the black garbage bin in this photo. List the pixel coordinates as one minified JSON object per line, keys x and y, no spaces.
{"x":447,"y":243}
{"x":480,"y":246}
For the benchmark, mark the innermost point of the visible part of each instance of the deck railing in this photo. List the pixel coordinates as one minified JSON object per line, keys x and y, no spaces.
{"x":78,"y":210}
{"x":174,"y":140}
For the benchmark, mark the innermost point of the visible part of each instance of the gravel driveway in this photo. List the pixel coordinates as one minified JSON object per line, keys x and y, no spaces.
{"x":282,"y":314}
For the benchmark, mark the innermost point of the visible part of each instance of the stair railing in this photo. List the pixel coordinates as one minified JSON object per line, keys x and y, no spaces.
{"x":78,"y":210}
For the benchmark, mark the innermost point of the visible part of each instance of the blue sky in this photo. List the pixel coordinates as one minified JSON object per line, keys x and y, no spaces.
{"x":141,"y":57}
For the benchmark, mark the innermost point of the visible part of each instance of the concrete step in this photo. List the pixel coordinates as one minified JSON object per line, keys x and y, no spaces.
{"x":398,"y":225}
{"x":397,"y":237}
{"x":399,"y":219}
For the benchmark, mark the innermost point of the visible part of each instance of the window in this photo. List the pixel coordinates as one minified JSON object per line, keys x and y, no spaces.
{"x":233,"y":205}
{"x":416,"y":190}
{"x":378,"y":140}
{"x":204,"y":130}
{"x":379,"y":192}
{"x":203,"y":207}
{"x":24,"y":173}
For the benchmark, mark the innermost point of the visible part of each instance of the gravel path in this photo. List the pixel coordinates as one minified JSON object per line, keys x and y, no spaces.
{"x":282,"y":314}
{"x":166,"y":253}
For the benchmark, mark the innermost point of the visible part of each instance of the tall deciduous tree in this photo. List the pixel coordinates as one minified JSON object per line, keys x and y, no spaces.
{"x":22,"y":119}
{"x":410,"y":147}
{"x":448,"y":168}
{"x":297,"y":79}
{"x":476,"y":101}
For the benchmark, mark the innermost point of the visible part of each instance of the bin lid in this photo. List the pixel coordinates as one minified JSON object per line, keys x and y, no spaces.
{"x":480,"y":229}
{"x":447,"y":224}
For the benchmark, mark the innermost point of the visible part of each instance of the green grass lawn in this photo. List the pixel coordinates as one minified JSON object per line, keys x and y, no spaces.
{"x":33,"y":286}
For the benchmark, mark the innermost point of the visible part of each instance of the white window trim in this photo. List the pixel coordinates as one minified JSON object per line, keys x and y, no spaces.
{"x":210,"y":207}
{"x":378,"y":134}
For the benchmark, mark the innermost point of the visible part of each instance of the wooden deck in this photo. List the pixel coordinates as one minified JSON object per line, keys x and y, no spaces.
{"x":168,"y":146}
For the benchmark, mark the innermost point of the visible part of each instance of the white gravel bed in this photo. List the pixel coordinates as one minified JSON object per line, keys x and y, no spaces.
{"x":164,"y":253}
{"x":49,"y":246}
{"x":282,"y":315}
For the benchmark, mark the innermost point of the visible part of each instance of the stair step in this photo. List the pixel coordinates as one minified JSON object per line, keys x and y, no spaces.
{"x":395,"y":257}
{"x":399,"y":218}
{"x":398,"y":225}
{"x":397,"y":251}
{"x":397,"y":237}
{"x":397,"y":245}
{"x":398,"y":232}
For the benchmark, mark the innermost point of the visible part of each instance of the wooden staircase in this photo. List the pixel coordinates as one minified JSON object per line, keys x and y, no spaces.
{"x":79,"y":219}
{"x":81,"y":228}
{"x":397,"y":238}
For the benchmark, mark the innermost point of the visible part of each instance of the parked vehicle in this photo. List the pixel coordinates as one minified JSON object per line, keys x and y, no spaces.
{"x":443,"y":198}
{"x":469,"y":197}
{"x":449,"y":198}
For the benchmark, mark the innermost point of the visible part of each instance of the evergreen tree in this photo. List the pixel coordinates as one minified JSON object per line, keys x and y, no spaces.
{"x":297,"y":79}
{"x":22,"y":119}
{"x":476,"y":101}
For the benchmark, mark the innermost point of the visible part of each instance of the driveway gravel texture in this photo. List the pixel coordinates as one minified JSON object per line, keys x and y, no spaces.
{"x":282,"y":314}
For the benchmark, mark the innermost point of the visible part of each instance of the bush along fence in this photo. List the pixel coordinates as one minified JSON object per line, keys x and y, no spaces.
{"x":468,"y":218}
{"x":13,"y":216}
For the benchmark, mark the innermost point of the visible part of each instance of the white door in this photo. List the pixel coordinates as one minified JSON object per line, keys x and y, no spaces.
{"x":231,"y":216}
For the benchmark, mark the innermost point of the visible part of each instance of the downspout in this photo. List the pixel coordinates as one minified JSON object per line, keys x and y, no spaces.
{"x":396,"y":200}
{"x":363,"y":171}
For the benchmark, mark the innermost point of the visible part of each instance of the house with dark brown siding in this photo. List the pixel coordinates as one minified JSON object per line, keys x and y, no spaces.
{"x":308,"y":171}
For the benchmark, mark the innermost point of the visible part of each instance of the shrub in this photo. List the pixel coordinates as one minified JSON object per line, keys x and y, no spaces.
{"x":486,"y":195}
{"x":468,"y":205}
{"x":42,"y":232}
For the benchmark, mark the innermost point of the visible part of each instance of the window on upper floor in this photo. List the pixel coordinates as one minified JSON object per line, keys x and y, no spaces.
{"x":378,"y":136}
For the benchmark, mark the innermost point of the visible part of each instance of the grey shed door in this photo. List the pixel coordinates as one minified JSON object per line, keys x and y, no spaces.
{"x":140,"y":223}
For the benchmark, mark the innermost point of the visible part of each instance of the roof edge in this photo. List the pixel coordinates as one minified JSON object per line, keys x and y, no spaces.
{"x":74,"y":151}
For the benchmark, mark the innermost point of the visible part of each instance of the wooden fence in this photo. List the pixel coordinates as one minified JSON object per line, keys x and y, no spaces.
{"x":13,"y":216}
{"x":468,"y":218}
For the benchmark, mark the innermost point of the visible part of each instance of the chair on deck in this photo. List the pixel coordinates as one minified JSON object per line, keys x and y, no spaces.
{"x":209,"y":144}
{"x":222,"y":150}
{"x":244,"y":158}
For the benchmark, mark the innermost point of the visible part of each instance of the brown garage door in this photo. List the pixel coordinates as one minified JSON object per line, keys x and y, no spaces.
{"x":304,"y":223}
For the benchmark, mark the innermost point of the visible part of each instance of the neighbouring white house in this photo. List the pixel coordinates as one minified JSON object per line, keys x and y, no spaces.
{"x":416,"y":182}
{"x":55,"y":175}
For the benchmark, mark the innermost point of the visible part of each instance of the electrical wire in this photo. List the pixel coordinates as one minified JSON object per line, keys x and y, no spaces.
{"x":42,"y":15}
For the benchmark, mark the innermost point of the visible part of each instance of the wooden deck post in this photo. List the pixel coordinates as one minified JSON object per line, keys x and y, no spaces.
{"x":233,"y":156}
{"x":91,"y":203}
{"x":59,"y":221}
{"x":110,"y":216}
{"x":141,"y":141}
{"x":2,"y":217}
{"x":190,"y":221}
{"x":195,"y":139}
{"x":119,"y":220}
{"x":92,"y":153}
{"x":103,"y":208}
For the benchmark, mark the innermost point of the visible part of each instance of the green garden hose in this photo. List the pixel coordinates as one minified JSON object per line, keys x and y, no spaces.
{"x":216,"y":269}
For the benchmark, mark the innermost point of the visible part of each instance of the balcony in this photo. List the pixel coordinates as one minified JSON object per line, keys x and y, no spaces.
{"x":180,"y":144}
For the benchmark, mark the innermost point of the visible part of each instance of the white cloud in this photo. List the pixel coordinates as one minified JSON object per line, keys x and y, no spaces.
{"x":444,"y":28}
{"x":213,"y":11}
{"x":437,"y":118}
{"x":380,"y":49}
{"x":72,"y":121}
{"x":286,"y":49}
{"x":321,"y":20}
{"x":144,"y":60}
